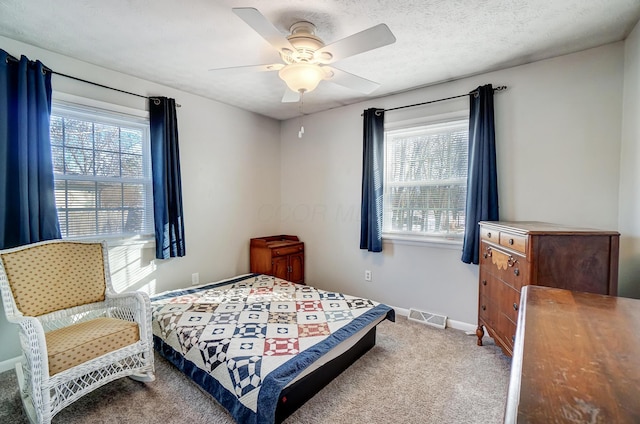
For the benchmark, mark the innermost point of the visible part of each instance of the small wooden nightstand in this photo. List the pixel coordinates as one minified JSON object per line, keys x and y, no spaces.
{"x":281,"y":256}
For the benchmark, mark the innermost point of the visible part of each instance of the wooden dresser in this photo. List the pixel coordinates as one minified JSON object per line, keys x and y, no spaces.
{"x":576,"y":360}
{"x":281,"y":256}
{"x":514,"y":254}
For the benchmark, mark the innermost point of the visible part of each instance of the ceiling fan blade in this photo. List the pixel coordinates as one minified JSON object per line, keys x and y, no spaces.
{"x":351,"y":81}
{"x":248,"y":68}
{"x":290,"y":96}
{"x":262,"y":26}
{"x":360,"y":42}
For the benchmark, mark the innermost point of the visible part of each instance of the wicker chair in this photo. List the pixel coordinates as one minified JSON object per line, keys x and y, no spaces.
{"x":76,"y":333}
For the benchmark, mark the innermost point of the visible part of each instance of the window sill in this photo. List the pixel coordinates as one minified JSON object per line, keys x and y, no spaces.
{"x":143,"y":242}
{"x":423,"y":241}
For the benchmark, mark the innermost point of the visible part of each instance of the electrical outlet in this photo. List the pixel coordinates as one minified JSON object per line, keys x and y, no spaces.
{"x":195,"y":278}
{"x":367,"y":275}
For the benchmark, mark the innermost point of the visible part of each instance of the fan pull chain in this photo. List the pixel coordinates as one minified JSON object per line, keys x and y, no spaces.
{"x":301,"y":115}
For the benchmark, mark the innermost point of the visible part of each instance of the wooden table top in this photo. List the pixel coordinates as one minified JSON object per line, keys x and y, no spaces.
{"x":576,"y":359}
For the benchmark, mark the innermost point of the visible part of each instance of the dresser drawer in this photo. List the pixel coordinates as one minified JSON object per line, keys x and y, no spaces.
{"x":507,"y":330}
{"x":489,"y":285}
{"x":508,"y":267}
{"x":484,"y":307}
{"x":517,"y":242}
{"x":489,"y":312}
{"x":501,"y":294}
{"x":287,"y":250}
{"x":514,"y":241}
{"x":510,"y":303}
{"x":490,"y":234}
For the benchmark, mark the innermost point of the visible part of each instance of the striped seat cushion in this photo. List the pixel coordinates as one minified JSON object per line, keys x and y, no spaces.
{"x":78,"y":343}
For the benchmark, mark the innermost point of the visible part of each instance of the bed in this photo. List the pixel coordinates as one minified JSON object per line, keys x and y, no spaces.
{"x":262,"y":346}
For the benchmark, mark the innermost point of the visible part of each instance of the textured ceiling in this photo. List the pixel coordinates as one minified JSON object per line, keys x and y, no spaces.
{"x":175,"y":43}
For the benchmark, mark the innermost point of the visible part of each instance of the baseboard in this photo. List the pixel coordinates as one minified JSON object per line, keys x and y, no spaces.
{"x":9,"y":364}
{"x":401,"y":311}
{"x":451,"y":323}
{"x":459,"y":325}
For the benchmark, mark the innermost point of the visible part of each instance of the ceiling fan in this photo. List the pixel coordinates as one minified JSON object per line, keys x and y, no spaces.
{"x":306,"y":58}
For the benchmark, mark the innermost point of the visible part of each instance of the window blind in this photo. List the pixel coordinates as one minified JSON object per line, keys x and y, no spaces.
{"x":102,"y":173}
{"x":425,"y":179}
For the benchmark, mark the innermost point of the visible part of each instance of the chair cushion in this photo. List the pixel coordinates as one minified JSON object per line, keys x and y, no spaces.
{"x":54,"y":276}
{"x":78,"y":343}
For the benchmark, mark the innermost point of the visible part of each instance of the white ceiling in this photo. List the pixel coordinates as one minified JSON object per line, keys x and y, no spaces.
{"x":175,"y":43}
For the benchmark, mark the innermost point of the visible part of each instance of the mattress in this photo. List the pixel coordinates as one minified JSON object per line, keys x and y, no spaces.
{"x":245,"y":339}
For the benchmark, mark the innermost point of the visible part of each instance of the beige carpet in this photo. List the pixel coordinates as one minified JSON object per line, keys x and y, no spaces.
{"x":414,"y":374}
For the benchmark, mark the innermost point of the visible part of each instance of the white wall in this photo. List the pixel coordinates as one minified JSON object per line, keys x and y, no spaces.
{"x":558,"y":139}
{"x":225,"y":154}
{"x":629,"y":282}
{"x":558,"y":134}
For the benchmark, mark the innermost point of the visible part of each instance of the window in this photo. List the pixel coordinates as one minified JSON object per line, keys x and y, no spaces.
{"x":102,"y":173}
{"x":425,"y":183}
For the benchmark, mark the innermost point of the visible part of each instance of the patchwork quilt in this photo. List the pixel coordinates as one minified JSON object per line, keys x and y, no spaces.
{"x":243,"y":340}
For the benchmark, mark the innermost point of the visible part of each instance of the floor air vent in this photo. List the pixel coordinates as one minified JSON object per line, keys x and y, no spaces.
{"x":435,"y":320}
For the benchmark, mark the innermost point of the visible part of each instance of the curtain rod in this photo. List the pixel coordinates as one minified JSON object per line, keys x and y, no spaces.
{"x":475,"y":92}
{"x":9,"y":57}
{"x":104,"y":86}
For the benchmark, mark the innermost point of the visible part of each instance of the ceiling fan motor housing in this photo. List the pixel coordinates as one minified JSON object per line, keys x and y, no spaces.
{"x":306,"y":43}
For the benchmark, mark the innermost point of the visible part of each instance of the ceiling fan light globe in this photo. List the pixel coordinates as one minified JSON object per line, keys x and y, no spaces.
{"x":301,"y":77}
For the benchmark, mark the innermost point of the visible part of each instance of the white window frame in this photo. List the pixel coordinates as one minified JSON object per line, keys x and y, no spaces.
{"x":89,"y":109}
{"x":413,"y":238}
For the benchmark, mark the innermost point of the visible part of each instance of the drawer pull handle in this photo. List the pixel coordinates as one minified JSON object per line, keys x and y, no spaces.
{"x":515,"y":306}
{"x":511,"y":241}
{"x":484,"y":282}
{"x":484,"y":307}
{"x":516,"y":271}
{"x":512,"y":261}
{"x":487,"y":253}
{"x":489,"y":235}
{"x":277,"y":252}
